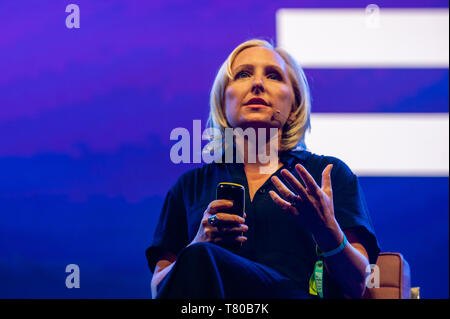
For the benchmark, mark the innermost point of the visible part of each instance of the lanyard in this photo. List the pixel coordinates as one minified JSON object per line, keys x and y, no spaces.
{"x":316,"y":280}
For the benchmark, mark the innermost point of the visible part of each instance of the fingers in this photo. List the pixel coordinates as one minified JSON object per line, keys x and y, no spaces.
{"x":224,"y":218}
{"x":218,"y":204}
{"x":311,"y":185}
{"x":224,"y":234}
{"x":220,"y":230}
{"x":305,"y":195}
{"x":283,"y":204}
{"x":284,"y":191}
{"x":230,"y":231}
{"x":326,"y":180}
{"x":227,"y":227}
{"x":295,"y":184}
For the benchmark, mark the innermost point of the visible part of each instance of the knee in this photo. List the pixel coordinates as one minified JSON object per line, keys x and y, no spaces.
{"x":197,"y":250}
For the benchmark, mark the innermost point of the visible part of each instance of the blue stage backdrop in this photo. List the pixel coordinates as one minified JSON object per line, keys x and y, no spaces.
{"x":85,"y":119}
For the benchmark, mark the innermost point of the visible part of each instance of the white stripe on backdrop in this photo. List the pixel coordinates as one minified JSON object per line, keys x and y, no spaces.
{"x":356,"y":38}
{"x":374,"y":144}
{"x":384,"y":144}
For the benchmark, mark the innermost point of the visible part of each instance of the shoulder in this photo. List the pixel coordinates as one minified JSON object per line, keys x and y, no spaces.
{"x":198,"y":183}
{"x":196,"y":175}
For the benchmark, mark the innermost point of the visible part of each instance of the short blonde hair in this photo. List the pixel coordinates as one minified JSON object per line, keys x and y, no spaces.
{"x":293,"y":135}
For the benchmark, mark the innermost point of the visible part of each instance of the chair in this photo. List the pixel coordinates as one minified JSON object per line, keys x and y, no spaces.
{"x":394,"y":278}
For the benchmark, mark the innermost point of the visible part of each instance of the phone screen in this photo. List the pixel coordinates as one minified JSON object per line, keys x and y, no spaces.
{"x":234,"y":192}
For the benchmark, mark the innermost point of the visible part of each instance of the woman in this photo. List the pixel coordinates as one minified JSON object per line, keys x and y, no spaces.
{"x":291,"y":225}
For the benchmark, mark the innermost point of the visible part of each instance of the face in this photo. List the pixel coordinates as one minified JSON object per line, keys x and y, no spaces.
{"x":260,"y":93}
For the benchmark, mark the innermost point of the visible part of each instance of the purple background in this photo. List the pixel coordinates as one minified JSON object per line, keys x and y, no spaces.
{"x":85,"y":118}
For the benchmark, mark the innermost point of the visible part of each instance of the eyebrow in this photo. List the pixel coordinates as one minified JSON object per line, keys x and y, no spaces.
{"x":251,"y":66}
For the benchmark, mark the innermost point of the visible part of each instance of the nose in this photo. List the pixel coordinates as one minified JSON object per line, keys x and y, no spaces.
{"x":257,"y":85}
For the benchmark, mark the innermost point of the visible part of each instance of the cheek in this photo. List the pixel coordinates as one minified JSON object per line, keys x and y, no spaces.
{"x":286,"y":97}
{"x":231,"y":99}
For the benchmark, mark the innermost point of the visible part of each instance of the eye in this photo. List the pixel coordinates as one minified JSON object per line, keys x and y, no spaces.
{"x":242,"y":74}
{"x":274,"y":76}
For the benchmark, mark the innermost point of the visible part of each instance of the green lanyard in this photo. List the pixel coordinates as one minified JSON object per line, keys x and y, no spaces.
{"x":316,"y":280}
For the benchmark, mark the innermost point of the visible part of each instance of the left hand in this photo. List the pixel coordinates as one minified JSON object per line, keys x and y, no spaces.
{"x":313,"y":205}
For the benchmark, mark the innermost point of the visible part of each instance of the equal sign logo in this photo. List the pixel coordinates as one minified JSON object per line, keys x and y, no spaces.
{"x":375,"y":143}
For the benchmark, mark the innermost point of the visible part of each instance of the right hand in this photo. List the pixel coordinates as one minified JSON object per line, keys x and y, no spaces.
{"x":229,"y":228}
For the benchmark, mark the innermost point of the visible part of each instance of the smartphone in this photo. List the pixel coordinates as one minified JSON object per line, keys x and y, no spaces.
{"x":234,"y":192}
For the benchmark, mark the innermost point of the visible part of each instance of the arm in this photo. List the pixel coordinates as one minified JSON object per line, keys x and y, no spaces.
{"x":313,"y":208}
{"x":348,"y":267}
{"x":206,"y":233}
{"x":163,"y":266}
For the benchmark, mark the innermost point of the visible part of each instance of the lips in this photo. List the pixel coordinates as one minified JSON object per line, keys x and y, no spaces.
{"x":257,"y":101}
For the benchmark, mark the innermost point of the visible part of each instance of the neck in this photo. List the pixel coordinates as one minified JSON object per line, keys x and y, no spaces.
{"x":260,"y":154}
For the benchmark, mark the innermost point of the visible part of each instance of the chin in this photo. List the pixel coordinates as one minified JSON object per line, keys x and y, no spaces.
{"x":257,"y":122}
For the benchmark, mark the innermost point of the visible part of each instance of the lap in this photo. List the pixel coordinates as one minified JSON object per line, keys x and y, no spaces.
{"x":223,"y":274}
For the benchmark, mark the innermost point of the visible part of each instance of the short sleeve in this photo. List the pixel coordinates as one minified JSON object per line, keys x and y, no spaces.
{"x":351,"y":210}
{"x":171,"y":231}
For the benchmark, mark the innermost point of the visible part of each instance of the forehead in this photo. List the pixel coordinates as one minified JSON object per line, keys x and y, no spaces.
{"x":259,"y":56}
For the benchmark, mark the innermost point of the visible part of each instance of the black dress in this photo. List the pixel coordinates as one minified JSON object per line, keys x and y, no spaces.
{"x":278,"y":258}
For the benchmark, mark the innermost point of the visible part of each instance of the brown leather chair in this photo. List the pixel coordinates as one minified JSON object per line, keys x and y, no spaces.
{"x":394,"y":278}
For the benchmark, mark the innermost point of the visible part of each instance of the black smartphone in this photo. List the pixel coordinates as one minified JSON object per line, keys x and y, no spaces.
{"x":234,"y":192}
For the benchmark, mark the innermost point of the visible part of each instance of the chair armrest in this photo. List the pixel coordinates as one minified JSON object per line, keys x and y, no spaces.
{"x":394,"y":278}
